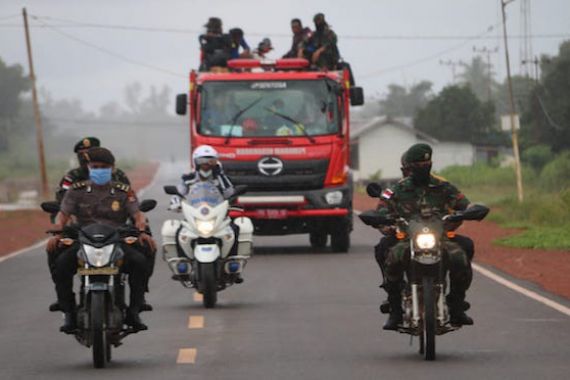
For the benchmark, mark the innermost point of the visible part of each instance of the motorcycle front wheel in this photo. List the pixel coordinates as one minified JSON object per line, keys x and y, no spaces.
{"x":208,"y":285}
{"x":429,"y":318}
{"x":98,"y":333}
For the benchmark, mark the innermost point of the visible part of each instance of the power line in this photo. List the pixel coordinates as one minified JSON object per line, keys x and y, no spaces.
{"x":79,"y":24}
{"x":8,"y":17}
{"x":109,"y":52}
{"x":430,"y":57}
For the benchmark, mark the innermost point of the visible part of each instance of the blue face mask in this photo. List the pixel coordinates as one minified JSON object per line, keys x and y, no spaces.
{"x":100,"y":176}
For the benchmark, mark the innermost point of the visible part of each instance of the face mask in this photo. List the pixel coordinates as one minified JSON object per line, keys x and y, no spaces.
{"x":420,"y":174}
{"x":100,"y":176}
{"x":205,"y":173}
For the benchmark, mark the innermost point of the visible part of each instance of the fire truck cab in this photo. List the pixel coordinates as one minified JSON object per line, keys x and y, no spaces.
{"x":284,"y":131}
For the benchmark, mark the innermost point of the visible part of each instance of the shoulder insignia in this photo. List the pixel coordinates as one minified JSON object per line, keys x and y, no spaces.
{"x":121,"y":186}
{"x":439,"y":178}
{"x":79,"y":185}
{"x":387,"y":194}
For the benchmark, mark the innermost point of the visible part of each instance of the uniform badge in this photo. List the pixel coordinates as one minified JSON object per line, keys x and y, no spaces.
{"x":115,"y":206}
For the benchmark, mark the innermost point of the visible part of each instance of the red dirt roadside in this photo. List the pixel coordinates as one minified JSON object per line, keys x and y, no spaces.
{"x":546,"y":268}
{"x":21,"y":229}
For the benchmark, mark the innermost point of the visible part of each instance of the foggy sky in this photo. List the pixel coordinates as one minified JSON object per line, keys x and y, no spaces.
{"x":68,"y":69}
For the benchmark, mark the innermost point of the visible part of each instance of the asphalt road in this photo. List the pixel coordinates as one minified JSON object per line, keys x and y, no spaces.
{"x":298,"y":315}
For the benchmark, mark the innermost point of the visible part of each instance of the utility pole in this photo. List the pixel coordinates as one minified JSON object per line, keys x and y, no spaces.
{"x":536,"y":64}
{"x":514,"y":133}
{"x":453,"y":65}
{"x":488,"y":52}
{"x":37,"y":116}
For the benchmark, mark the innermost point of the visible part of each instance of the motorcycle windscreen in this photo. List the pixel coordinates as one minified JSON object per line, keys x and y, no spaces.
{"x":204,"y":193}
{"x":206,"y":253}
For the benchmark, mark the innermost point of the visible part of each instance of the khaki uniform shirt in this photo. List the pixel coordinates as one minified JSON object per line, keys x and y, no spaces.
{"x":110,"y":204}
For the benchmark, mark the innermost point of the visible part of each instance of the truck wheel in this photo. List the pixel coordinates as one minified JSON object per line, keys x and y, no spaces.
{"x":318,"y":239}
{"x":340,"y":241}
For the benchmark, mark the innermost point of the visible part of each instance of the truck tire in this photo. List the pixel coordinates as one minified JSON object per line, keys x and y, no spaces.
{"x":318,"y":239}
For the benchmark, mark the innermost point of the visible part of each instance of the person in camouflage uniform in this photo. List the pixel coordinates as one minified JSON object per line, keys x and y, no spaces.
{"x":81,"y":173}
{"x":321,"y":47}
{"x":421,"y":186}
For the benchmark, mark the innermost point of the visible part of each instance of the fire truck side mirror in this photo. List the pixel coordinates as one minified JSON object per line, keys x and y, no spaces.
{"x":181,"y":104}
{"x":356,"y":96}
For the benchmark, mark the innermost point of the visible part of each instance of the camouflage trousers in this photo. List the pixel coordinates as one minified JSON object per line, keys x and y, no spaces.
{"x":460,"y":272}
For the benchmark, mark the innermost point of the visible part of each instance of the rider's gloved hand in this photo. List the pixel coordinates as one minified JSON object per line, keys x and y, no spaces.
{"x":175,"y":204}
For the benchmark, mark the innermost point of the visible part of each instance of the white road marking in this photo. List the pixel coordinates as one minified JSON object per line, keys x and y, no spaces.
{"x":196,"y":322}
{"x":43,"y":242}
{"x":198,"y":297}
{"x":187,"y":356}
{"x":517,"y":288}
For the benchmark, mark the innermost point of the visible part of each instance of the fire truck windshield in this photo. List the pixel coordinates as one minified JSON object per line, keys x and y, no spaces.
{"x":268,"y":108}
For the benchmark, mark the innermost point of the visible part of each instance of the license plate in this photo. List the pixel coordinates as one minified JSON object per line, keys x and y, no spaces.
{"x":271,"y":213}
{"x":97,"y":271}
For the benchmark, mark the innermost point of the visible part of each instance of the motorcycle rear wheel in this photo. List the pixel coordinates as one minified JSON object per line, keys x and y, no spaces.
{"x":98,"y":334}
{"x":209,"y":285}
{"x":429,"y":318}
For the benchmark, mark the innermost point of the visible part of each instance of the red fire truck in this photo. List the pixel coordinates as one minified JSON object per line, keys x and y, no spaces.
{"x":282,"y":130}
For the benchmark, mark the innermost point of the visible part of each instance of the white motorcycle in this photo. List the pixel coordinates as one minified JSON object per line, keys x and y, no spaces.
{"x":197,"y":249}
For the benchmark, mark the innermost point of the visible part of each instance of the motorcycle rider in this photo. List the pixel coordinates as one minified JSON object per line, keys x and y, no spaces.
{"x":420,"y":186}
{"x":100,"y":200}
{"x":76,"y":175}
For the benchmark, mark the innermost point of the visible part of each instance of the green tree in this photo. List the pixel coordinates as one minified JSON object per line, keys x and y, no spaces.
{"x":547,"y":120}
{"x":456,"y":114}
{"x":12,"y":84}
{"x":403,"y":102}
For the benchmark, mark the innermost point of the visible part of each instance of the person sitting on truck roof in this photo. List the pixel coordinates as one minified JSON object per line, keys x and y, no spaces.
{"x":300,"y":35}
{"x":321,"y":46}
{"x":263,"y":48}
{"x":215,"y":46}
{"x":238,"y":40}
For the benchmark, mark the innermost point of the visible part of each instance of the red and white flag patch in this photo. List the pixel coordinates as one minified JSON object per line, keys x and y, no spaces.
{"x":387,"y":194}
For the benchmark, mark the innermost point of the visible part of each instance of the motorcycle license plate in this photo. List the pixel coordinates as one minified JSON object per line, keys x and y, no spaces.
{"x":272,"y":213}
{"x":97,"y":271}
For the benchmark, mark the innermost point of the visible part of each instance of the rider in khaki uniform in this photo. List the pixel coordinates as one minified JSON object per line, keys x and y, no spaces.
{"x":420,"y":187}
{"x":100,"y":200}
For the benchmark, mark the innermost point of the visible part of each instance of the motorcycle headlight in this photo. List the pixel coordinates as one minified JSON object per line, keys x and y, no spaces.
{"x":98,"y":257}
{"x":425,"y":241}
{"x":205,"y":227}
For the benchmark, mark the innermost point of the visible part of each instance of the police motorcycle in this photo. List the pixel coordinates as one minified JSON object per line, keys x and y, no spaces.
{"x":197,"y":248}
{"x":425,"y":311}
{"x":102,"y":309}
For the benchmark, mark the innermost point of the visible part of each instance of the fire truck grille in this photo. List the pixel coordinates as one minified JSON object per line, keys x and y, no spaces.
{"x":292,"y":175}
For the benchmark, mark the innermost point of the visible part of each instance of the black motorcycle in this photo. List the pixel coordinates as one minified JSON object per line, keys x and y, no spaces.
{"x":101,"y":311}
{"x":425,"y":312}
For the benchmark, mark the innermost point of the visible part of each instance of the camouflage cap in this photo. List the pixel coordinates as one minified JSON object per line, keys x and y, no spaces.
{"x":86,"y":143}
{"x":102,"y":155}
{"x":417,"y":153}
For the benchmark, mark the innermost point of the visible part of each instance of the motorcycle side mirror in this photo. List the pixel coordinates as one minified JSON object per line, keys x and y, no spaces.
{"x":51,"y":207}
{"x":147,"y":205}
{"x":171,"y":190}
{"x":476,"y":212}
{"x":374,"y":190}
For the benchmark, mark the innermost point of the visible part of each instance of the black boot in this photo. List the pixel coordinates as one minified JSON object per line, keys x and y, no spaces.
{"x":134,"y":320}
{"x":146,"y":306}
{"x":69,"y":323}
{"x":457,"y":307}
{"x":54,"y":306}
{"x":395,"y":301}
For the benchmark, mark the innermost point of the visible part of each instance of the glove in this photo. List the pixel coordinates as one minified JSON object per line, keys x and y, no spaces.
{"x":175,"y":204}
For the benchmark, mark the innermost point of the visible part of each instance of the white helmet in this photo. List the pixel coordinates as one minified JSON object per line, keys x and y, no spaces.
{"x":204,"y":154}
{"x":204,"y":151}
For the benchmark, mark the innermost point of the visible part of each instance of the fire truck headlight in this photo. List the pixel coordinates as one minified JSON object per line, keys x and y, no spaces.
{"x":334,"y":197}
